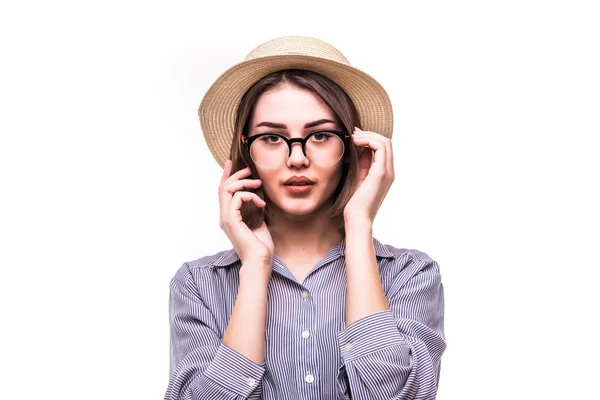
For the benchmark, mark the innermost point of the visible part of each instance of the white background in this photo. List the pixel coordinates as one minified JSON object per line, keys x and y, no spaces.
{"x":108,"y":186}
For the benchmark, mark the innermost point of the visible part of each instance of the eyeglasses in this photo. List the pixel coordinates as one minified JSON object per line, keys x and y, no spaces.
{"x":271,"y":150}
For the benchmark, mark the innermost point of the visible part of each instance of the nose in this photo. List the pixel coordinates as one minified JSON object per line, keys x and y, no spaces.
{"x":297,"y":157}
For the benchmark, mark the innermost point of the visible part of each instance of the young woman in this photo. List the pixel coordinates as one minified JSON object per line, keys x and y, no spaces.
{"x":307,"y":304}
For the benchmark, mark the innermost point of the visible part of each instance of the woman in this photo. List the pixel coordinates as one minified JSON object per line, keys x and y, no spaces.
{"x":307,"y":303}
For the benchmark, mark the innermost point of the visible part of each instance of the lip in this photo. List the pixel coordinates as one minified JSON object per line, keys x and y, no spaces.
{"x":298,"y":179}
{"x":298,"y":189}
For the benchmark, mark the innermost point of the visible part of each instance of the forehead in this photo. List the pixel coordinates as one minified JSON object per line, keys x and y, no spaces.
{"x":290,"y":104}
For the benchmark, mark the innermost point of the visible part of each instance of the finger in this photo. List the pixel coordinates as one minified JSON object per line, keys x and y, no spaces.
{"x":227,"y":190}
{"x":235,"y":204}
{"x":245,"y":197}
{"x":374,"y":144}
{"x":365,"y":160}
{"x":360,"y":131}
{"x":390,"y":158}
{"x":233,"y":178}
{"x":242,"y":173}
{"x":232,"y":219}
{"x":236,"y":186}
{"x":226,"y":171}
{"x":382,"y":139}
{"x":385,"y":140}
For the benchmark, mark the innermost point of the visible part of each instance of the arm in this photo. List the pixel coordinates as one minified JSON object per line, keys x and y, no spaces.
{"x":204,"y":366}
{"x":390,"y":349}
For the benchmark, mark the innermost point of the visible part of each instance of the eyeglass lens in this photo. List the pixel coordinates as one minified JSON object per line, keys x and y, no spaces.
{"x":271,"y":151}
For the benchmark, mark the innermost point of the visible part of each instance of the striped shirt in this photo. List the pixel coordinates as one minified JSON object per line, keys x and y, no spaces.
{"x":310,"y":353}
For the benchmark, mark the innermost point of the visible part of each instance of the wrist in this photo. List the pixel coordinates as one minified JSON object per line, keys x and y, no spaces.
{"x":255,"y":273}
{"x":361,"y":222}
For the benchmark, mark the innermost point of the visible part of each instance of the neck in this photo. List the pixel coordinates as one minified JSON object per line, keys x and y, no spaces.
{"x":304,"y":236}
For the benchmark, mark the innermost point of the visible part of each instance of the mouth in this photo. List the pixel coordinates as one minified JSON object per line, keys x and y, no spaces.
{"x":299,"y":188}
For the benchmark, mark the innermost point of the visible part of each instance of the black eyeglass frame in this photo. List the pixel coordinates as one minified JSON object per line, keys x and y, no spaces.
{"x":249,"y":140}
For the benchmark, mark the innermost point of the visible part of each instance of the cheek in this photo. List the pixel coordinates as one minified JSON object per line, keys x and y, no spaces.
{"x":333,"y":179}
{"x":336,"y":175}
{"x":269,"y":182}
{"x":268,"y":187}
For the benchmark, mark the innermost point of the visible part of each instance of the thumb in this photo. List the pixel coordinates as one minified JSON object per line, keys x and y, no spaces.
{"x":365,"y":159}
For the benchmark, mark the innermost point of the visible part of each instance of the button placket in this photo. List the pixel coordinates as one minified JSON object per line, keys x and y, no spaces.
{"x":304,"y":322}
{"x":307,"y":346}
{"x":307,"y":321}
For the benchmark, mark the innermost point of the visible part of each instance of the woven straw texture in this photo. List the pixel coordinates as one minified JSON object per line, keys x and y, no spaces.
{"x":219,"y":106}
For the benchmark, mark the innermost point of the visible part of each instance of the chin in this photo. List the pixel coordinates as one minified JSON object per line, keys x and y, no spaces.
{"x":298,"y":206}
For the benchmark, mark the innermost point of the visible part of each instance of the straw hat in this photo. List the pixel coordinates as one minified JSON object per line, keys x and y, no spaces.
{"x":218,"y":108}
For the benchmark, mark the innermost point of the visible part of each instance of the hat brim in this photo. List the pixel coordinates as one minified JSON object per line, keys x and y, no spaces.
{"x":218,"y":108}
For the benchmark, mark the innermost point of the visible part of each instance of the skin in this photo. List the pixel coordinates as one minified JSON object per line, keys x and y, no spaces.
{"x":299,"y":228}
{"x":299,"y":232}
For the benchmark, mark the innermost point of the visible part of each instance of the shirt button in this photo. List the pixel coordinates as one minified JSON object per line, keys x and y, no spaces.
{"x":251,"y":381}
{"x":348,"y":347}
{"x":305,"y":294}
{"x":305,"y":334}
{"x":309,"y":378}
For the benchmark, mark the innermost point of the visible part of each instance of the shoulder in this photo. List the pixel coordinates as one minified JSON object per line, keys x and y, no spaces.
{"x":220,"y":259}
{"x":197,"y":273}
{"x":402,"y":264}
{"x":400,"y":256}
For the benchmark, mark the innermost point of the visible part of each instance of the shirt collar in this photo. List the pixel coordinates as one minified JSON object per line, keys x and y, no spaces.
{"x":230,"y":257}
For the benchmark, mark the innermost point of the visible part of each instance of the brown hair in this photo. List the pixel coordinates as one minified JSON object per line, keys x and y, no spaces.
{"x":345,"y":112}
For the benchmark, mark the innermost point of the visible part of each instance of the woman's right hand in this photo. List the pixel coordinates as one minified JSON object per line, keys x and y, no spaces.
{"x":256,"y":245}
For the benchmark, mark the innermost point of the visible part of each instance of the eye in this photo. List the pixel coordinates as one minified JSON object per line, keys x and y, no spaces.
{"x":271,"y":139}
{"x":321,"y":136}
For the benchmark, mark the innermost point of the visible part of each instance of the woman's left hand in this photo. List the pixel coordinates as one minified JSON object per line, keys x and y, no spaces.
{"x":374,"y":178}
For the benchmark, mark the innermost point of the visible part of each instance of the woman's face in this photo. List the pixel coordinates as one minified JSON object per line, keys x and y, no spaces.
{"x":287,"y":110}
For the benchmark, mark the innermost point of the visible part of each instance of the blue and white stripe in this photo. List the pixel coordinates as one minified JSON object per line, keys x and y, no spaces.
{"x":310,"y":353}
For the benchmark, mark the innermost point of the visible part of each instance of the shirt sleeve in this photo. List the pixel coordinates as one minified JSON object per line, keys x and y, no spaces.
{"x":396,"y":354}
{"x":201,"y":366}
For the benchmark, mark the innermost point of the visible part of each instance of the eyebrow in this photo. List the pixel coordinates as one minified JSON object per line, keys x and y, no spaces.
{"x":283,"y":126}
